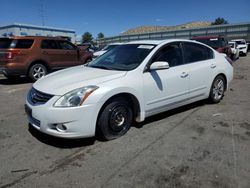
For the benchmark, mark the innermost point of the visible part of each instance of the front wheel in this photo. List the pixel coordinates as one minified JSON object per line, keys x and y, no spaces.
{"x":37,"y":71}
{"x":115,"y":119}
{"x":217,"y":90}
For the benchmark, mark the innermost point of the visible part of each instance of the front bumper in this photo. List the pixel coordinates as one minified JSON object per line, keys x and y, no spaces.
{"x":80,"y":122}
{"x":243,"y":51}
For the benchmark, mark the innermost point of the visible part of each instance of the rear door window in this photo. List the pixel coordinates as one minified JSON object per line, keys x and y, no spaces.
{"x":195,"y":52}
{"x":49,"y":44}
{"x":24,"y":43}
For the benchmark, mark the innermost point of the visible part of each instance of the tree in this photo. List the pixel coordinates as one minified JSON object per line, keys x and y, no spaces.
{"x":219,"y":21}
{"x":100,"y":35}
{"x":87,"y":37}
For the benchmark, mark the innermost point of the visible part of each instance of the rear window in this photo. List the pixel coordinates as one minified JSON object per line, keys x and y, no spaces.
{"x":5,"y":43}
{"x":231,"y":45}
{"x":240,"y":42}
{"x":213,"y":42}
{"x":13,"y":43}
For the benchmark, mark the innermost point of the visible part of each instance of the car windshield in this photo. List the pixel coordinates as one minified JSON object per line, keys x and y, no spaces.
{"x":240,"y":42}
{"x":123,"y":57}
{"x":231,"y":44}
{"x":109,"y":47}
{"x":214,"y":43}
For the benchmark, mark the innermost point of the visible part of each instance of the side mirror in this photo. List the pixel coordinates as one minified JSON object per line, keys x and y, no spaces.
{"x":158,"y":65}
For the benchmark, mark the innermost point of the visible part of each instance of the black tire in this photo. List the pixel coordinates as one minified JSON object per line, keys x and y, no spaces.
{"x":217,"y":90}
{"x":37,"y":71}
{"x":115,"y":119}
{"x":12,"y":77}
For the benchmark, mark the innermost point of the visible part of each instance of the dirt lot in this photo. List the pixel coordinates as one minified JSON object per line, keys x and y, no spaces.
{"x":199,"y":145}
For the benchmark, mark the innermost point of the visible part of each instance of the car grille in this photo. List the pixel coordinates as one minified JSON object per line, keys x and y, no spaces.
{"x":36,"y":97}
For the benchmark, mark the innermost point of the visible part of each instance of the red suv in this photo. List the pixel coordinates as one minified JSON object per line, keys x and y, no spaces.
{"x":36,"y":56}
{"x":217,"y":42}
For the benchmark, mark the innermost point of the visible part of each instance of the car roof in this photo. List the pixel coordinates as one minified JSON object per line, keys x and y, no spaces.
{"x":157,"y":42}
{"x":238,"y":40}
{"x":35,"y":37}
{"x":207,"y":37}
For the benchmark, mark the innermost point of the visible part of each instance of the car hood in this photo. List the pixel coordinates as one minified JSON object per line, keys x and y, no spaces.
{"x":64,"y":81}
{"x":241,"y":45}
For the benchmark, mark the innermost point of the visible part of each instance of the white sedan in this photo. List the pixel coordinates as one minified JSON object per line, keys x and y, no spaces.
{"x":128,"y":83}
{"x":235,"y":50}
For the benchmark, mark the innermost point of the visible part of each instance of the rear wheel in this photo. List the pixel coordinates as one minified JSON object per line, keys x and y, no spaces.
{"x":37,"y":71}
{"x":217,"y":90}
{"x":115,"y":119}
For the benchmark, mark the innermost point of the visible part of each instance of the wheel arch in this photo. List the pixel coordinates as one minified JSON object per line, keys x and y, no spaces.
{"x":132,"y":99}
{"x":38,"y":61}
{"x":225,"y":78}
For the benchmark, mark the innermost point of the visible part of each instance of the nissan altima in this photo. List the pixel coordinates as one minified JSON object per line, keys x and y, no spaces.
{"x":133,"y":81}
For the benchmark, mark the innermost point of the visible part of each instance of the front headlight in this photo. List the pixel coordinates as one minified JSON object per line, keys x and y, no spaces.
{"x":76,"y":97}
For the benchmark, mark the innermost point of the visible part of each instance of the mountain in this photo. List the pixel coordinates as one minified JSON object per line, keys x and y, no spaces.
{"x":150,"y":29}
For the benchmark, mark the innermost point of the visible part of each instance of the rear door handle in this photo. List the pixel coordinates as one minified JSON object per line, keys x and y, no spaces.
{"x":184,"y":74}
{"x":212,"y":66}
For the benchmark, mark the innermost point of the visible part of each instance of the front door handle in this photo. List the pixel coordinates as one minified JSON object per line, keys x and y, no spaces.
{"x":212,"y":66}
{"x":184,"y":75}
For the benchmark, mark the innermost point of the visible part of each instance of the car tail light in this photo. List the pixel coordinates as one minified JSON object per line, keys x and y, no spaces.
{"x":229,"y":60}
{"x":12,"y":54}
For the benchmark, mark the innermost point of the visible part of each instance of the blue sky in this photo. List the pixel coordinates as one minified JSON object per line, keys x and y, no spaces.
{"x":113,"y":16}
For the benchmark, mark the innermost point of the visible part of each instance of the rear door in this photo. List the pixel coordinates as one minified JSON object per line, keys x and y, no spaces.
{"x":201,"y":65}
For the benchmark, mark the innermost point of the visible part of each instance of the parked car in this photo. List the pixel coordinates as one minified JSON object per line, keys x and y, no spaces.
{"x":235,"y":50}
{"x":242,"y":45}
{"x":248,"y":47}
{"x":128,"y":83}
{"x":217,"y":42}
{"x":88,"y":46}
{"x":105,"y":49}
{"x":36,"y":56}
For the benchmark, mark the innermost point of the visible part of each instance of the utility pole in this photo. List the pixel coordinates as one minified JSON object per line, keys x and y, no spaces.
{"x":41,"y":12}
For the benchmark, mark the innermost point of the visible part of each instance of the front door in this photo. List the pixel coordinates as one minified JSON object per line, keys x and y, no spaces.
{"x":70,"y":54}
{"x":166,"y":88}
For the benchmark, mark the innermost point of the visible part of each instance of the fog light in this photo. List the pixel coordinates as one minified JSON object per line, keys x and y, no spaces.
{"x":61,"y":127}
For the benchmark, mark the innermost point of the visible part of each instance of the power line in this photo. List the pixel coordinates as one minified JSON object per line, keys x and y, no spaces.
{"x":41,"y":12}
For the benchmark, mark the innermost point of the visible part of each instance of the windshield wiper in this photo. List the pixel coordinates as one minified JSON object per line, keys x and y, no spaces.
{"x":100,"y":67}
